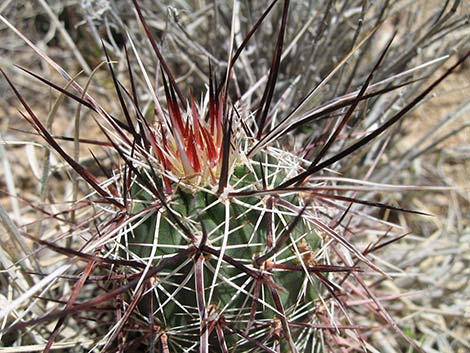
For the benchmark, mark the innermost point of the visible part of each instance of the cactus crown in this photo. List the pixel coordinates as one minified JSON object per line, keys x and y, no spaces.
{"x":190,"y":146}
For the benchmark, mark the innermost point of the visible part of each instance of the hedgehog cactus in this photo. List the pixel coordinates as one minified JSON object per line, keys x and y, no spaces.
{"x":249,"y":266}
{"x":211,"y":235}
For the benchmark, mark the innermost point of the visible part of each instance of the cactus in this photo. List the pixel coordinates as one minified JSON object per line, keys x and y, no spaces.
{"x":249,"y":259}
{"x":212,"y":234}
